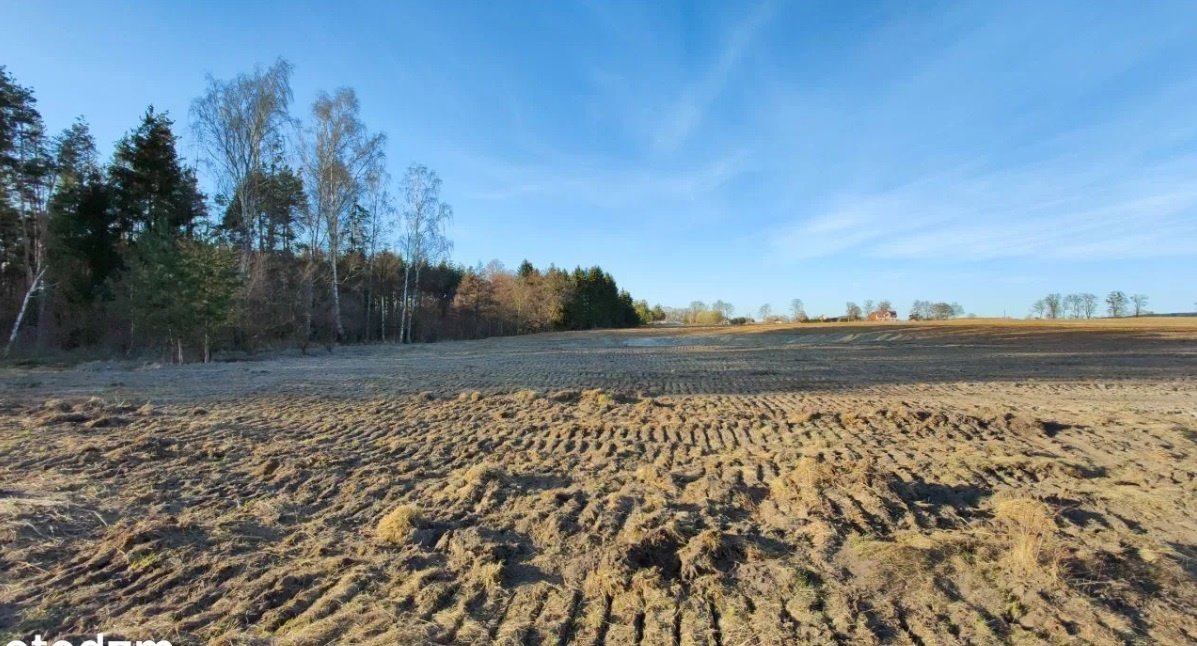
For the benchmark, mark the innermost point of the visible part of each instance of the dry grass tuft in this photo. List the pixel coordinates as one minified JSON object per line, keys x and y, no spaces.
{"x":804,"y":481}
{"x":597,"y":398}
{"x":525,"y":396}
{"x":398,"y":526}
{"x":57,"y":405}
{"x":650,"y":586}
{"x":657,"y":478}
{"x":469,"y":396}
{"x":811,"y":473}
{"x":605,"y":580}
{"x":709,"y":553}
{"x":1030,"y":530}
{"x":488,"y":576}
{"x":480,"y":474}
{"x":471,"y":481}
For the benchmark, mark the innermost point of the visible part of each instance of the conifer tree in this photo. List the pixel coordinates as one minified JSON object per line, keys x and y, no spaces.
{"x":152,"y":192}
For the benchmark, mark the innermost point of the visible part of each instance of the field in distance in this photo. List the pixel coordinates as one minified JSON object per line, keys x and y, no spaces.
{"x":960,"y":482}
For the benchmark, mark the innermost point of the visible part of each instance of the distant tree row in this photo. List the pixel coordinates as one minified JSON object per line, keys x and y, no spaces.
{"x":1085,"y":306}
{"x":932,"y":311}
{"x":492,"y":301}
{"x":854,"y":312}
{"x":304,"y":241}
{"x":698,"y":313}
{"x":720,"y":312}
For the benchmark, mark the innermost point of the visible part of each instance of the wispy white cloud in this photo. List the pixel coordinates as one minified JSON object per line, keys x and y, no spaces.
{"x":590,"y":182}
{"x":1054,"y":154}
{"x":1058,"y":210}
{"x":688,"y":112}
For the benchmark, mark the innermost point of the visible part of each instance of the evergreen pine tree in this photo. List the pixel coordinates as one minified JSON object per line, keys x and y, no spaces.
{"x":151,"y":189}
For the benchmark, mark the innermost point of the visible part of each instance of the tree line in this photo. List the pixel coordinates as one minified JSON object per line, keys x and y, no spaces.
{"x":1086,"y":306}
{"x":307,"y":240}
{"x":720,"y":312}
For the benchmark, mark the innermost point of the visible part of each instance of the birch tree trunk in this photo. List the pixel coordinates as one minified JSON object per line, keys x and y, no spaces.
{"x":16,"y":326}
{"x":415,"y":303}
{"x":336,"y":297}
{"x":403,"y":313}
{"x":308,"y":305}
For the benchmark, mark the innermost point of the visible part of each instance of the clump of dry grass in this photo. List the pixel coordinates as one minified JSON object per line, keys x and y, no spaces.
{"x":57,"y":405}
{"x":657,"y":478}
{"x":812,"y":475}
{"x":468,"y":482}
{"x":487,"y":575}
{"x":469,"y":396}
{"x":803,"y":483}
{"x":525,"y":396}
{"x":1030,"y":530}
{"x":398,"y":526}
{"x":648,"y":543}
{"x":906,"y":553}
{"x":651,"y":588}
{"x":480,"y":474}
{"x":605,"y":580}
{"x":709,"y":553}
{"x":597,"y":398}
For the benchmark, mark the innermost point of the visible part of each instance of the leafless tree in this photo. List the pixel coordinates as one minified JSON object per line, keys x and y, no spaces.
{"x":764,"y":312}
{"x":425,"y":240}
{"x":868,"y":306}
{"x":1089,"y":305}
{"x":1052,"y":305}
{"x":797,"y":309}
{"x":1038,"y":308}
{"x":1073,"y":305}
{"x":241,"y":123}
{"x":1116,"y":302}
{"x":1139,"y":303}
{"x":942,"y":311}
{"x":853,"y":311}
{"x":341,"y":158}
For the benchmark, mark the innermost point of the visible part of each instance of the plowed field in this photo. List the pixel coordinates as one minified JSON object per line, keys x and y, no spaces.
{"x":933,"y":484}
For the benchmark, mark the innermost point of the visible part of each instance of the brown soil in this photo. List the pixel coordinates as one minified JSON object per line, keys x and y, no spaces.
{"x":934,"y":484}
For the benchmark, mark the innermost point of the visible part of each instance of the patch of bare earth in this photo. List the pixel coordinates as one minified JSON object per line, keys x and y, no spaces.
{"x":768,"y":501}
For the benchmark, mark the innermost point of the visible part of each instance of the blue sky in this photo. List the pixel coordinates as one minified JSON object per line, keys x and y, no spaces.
{"x":979,"y":152}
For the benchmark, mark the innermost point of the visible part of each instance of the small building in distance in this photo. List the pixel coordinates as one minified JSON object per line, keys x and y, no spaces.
{"x":883,"y":315}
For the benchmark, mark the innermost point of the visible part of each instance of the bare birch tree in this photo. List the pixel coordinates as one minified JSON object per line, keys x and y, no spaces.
{"x":798,"y":309}
{"x":16,"y":326}
{"x":1074,"y":305}
{"x":241,"y":123}
{"x":1139,"y":303}
{"x":1053,"y":305}
{"x":340,"y":159}
{"x":425,"y":221}
{"x":1116,"y":302}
